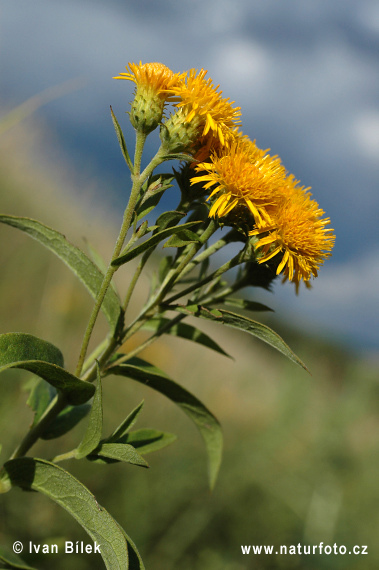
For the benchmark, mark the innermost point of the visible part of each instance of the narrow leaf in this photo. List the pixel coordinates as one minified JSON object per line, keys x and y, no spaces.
{"x":169,"y":219}
{"x":121,"y":141}
{"x":149,"y":243}
{"x":64,"y":489}
{"x":244,"y":324}
{"x":178,"y":156}
{"x":153,"y":190}
{"x":27,"y":352}
{"x":246,"y":304}
{"x":12,"y":560}
{"x":205,"y":421}
{"x":184,"y":330}
{"x":118,"y":452}
{"x":148,"y":440}
{"x":125,"y":426}
{"x":87,"y":272}
{"x":182,"y":238}
{"x":92,"y":435}
{"x":135,"y":560}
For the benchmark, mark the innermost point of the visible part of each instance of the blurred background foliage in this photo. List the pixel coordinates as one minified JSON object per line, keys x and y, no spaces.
{"x":301,"y":458}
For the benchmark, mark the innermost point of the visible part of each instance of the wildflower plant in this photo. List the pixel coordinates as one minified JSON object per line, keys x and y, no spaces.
{"x":228,"y":192}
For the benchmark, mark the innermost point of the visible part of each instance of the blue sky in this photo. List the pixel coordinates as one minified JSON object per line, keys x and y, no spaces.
{"x":306,"y":75}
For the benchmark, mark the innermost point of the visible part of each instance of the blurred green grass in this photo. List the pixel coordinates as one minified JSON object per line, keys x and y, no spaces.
{"x":301,"y":458}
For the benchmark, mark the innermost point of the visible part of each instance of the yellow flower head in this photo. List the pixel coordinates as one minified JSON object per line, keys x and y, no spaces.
{"x":151,"y":77}
{"x":201,"y":101}
{"x":153,"y":82}
{"x":298,"y":233}
{"x":243,"y":175}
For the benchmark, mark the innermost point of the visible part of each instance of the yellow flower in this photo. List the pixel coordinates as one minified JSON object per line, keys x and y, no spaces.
{"x":201,"y":101}
{"x":243,"y":175}
{"x":153,"y":81}
{"x":152,"y":77}
{"x":298,"y":233}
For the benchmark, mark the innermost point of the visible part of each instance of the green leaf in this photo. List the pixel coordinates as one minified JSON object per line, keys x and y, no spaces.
{"x":148,"y":440}
{"x":135,"y":560}
{"x":12,"y":560}
{"x":246,"y":304}
{"x":151,"y":242}
{"x":205,"y":421}
{"x":118,"y":452}
{"x":19,"y":347}
{"x":153,"y":191}
{"x":182,"y":238}
{"x":121,"y":141}
{"x":92,"y":435}
{"x":183,"y":330}
{"x":169,"y":219}
{"x":60,"y":486}
{"x":25,"y":351}
{"x":178,"y":156}
{"x":125,"y":426}
{"x":40,"y":397}
{"x":87,"y":272}
{"x":244,"y":324}
{"x":66,"y":421}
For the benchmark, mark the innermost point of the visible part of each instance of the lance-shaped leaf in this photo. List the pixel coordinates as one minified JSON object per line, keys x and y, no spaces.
{"x":121,"y":142}
{"x":125,"y":426}
{"x":147,"y":440}
{"x":178,"y":156}
{"x":206,"y":422}
{"x":182,"y":238}
{"x":152,"y":193}
{"x":12,"y":560}
{"x":246,"y":304}
{"x":151,"y":242}
{"x":241,"y":323}
{"x":169,"y":219}
{"x":87,"y":272}
{"x":183,"y":330}
{"x":25,"y":351}
{"x":64,"y":489}
{"x":117,"y":452}
{"x":92,"y":435}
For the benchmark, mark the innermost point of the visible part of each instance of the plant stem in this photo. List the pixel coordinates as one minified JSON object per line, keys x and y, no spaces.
{"x":126,"y":223}
{"x":149,"y":341}
{"x":64,"y":456}
{"x":228,"y":265}
{"x":183,"y":262}
{"x":138,"y":180}
{"x":56,"y":406}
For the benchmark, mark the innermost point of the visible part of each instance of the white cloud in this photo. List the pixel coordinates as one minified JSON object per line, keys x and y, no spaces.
{"x":344,"y":300}
{"x":366,"y":133}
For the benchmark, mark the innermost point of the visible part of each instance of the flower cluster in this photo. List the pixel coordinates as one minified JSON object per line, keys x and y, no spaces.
{"x":288,"y":224}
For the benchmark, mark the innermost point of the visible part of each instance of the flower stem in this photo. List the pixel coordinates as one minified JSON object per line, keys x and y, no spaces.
{"x":126,"y":223}
{"x":228,"y":265}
